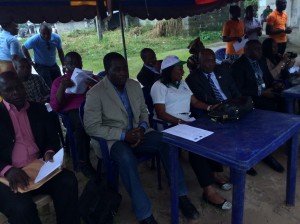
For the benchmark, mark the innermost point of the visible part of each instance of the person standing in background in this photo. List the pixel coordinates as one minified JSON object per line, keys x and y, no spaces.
{"x":265,"y":14}
{"x":194,"y":48}
{"x":44,"y":47}
{"x":277,"y":26}
{"x":233,"y":30}
{"x":10,"y":49}
{"x":252,"y":24}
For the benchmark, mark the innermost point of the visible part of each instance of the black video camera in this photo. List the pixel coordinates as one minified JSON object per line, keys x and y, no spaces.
{"x":291,"y":55}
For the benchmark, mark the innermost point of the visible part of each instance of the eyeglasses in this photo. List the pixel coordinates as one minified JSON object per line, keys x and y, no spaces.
{"x":48,"y":45}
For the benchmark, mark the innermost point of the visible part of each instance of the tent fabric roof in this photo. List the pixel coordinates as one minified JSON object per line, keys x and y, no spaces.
{"x":51,"y":11}
{"x":166,"y":9}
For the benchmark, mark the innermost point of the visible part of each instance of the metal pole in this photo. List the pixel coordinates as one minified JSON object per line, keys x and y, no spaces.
{"x":123,"y":36}
{"x":98,"y":22}
{"x":98,"y":28}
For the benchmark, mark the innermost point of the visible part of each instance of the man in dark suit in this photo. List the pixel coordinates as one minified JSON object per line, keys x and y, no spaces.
{"x":220,"y":87}
{"x":149,"y":72}
{"x":253,"y":78}
{"x":27,"y":134}
{"x":200,"y":84}
{"x":148,"y":75}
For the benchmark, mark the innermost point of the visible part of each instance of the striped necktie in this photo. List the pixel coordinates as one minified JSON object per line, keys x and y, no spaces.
{"x":213,"y":86}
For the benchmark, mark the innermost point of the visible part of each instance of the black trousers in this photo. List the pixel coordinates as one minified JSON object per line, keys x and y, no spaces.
{"x":204,"y":168}
{"x":49,"y":73}
{"x":281,"y":48}
{"x":63,"y":188}
{"x":82,"y":140}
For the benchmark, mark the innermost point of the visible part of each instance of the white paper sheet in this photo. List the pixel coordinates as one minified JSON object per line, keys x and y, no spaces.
{"x":48,"y":106}
{"x":294,"y":69}
{"x":79,"y":77}
{"x":188,"y":132}
{"x":49,"y":167}
{"x":239,"y":45}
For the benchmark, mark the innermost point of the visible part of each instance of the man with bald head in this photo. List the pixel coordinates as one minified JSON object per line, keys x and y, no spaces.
{"x":44,"y":47}
{"x":27,"y":134}
{"x":211,"y":83}
{"x":149,"y":73}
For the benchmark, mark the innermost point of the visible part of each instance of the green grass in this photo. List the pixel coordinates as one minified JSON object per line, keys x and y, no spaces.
{"x":86,"y":43}
{"x":92,"y":51}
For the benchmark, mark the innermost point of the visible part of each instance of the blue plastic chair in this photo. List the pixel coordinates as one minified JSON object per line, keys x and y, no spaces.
{"x":72,"y":140}
{"x":111,"y":168}
{"x":220,"y":55}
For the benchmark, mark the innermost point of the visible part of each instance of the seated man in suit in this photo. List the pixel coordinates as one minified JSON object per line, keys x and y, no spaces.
{"x":148,"y":75}
{"x":68,"y":103}
{"x":211,"y":83}
{"x":27,"y":134}
{"x":253,"y":78}
{"x":115,"y":110}
{"x":149,"y":72}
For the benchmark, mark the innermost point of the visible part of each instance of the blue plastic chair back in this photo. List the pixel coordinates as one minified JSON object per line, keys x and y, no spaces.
{"x":220,"y":55}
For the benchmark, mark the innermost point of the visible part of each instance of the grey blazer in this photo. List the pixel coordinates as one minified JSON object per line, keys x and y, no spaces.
{"x":105,"y":115}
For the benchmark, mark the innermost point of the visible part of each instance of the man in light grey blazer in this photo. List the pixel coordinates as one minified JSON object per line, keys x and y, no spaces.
{"x":115,"y":110}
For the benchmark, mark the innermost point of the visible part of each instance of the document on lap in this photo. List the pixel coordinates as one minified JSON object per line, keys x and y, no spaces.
{"x":40,"y":172}
{"x":188,"y":132}
{"x":80,"y":78}
{"x":49,"y":167}
{"x":48,"y":106}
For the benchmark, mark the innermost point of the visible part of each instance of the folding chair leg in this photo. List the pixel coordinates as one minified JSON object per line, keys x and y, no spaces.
{"x":157,"y":158}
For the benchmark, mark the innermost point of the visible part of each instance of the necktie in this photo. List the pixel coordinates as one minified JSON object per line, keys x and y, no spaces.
{"x":258,"y":76}
{"x":216,"y":91}
{"x":258,"y":72}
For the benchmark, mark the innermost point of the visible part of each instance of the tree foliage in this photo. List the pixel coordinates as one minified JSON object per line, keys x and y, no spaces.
{"x":251,"y":2}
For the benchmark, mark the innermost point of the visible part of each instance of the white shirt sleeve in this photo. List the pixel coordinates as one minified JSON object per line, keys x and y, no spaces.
{"x":158,"y":93}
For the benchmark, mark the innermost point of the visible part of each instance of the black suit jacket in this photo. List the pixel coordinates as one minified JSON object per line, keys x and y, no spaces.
{"x":147,"y":78}
{"x":43,"y":130}
{"x":244,"y":76}
{"x":201,"y":88}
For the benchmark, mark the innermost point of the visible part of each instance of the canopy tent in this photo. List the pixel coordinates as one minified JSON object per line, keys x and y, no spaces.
{"x":51,"y":11}
{"x":166,"y":9}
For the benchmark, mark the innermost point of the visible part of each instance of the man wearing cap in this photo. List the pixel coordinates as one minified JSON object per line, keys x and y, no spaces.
{"x":115,"y":110}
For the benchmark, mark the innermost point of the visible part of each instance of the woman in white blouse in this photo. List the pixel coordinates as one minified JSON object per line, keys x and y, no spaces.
{"x":172,"y":99}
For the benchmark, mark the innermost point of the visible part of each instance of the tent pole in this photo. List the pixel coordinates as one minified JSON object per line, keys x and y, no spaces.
{"x":123,"y":36}
{"x":98,"y":27}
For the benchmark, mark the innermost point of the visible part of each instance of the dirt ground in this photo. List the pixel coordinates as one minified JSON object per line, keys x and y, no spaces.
{"x":264,"y":196}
